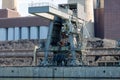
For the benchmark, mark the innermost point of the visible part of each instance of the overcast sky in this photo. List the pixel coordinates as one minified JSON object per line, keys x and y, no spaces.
{"x":23,"y":4}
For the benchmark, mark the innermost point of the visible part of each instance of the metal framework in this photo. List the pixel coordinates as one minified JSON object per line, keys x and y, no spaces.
{"x":65,"y":37}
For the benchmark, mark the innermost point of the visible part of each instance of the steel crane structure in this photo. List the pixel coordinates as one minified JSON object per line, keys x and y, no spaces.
{"x":66,"y":41}
{"x":64,"y":35}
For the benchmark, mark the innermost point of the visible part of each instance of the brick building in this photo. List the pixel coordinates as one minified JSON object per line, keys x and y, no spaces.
{"x":107,"y":20}
{"x":14,"y":27}
{"x":19,"y":36}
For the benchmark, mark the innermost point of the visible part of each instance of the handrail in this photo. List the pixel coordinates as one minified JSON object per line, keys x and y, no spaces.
{"x":42,"y":4}
{"x":68,"y":11}
{"x":65,"y":10}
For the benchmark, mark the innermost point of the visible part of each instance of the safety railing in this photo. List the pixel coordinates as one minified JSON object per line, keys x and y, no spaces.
{"x":42,"y":4}
{"x":68,"y":11}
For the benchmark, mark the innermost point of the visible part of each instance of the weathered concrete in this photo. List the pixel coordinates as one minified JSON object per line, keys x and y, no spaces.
{"x":60,"y":72}
{"x":48,"y":11}
{"x":102,"y":52}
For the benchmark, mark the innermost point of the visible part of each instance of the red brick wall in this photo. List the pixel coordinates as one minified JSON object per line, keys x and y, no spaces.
{"x":7,"y":13}
{"x":11,"y":18}
{"x":107,"y":22}
{"x":112,"y":19}
{"x":13,"y":13}
{"x":99,"y":23}
{"x":3,"y":13}
{"x":24,"y":21}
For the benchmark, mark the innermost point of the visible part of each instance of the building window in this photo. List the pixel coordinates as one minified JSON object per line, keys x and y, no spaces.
{"x":2,"y":34}
{"x":24,"y":33}
{"x":17,"y":33}
{"x":33,"y":32}
{"x":43,"y":32}
{"x":10,"y":34}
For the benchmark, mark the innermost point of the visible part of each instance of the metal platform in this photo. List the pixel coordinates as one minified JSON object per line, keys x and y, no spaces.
{"x":49,"y":11}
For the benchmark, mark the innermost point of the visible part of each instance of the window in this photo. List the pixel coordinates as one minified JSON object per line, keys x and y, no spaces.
{"x":17,"y":35}
{"x":24,"y":33}
{"x":2,"y":34}
{"x":43,"y":32}
{"x":33,"y":32}
{"x":10,"y":34}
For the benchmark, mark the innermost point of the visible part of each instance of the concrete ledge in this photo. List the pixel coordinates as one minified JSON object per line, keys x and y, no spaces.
{"x":60,"y":72}
{"x":63,"y":13}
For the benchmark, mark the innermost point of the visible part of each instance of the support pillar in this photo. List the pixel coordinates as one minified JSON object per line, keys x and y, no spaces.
{"x":47,"y":45}
{"x":29,"y":33}
{"x":20,"y":33}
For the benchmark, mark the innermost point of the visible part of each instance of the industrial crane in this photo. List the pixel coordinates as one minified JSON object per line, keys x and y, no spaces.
{"x":65,"y":38}
{"x":64,"y":35}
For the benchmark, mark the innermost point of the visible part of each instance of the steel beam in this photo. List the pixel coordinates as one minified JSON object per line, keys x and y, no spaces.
{"x":49,"y":12}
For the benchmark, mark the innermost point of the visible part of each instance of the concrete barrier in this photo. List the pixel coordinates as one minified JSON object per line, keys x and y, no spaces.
{"x":60,"y":72}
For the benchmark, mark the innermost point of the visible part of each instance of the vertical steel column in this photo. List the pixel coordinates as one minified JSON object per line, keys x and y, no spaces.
{"x":29,"y":33}
{"x":38,"y":32}
{"x":72,"y":46}
{"x":13,"y":33}
{"x":6,"y":33}
{"x":47,"y":45}
{"x":20,"y":33}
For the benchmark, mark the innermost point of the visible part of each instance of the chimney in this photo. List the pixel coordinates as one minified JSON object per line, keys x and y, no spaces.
{"x":89,"y":9}
{"x":11,"y":4}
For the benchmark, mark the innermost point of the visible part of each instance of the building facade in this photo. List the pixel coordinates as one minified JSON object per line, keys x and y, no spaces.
{"x":107,"y":21}
{"x":19,"y":36}
{"x":85,"y":11}
{"x":16,"y":28}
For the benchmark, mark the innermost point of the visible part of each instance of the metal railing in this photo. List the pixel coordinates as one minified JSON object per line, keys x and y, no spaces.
{"x":68,"y":11}
{"x":42,"y":4}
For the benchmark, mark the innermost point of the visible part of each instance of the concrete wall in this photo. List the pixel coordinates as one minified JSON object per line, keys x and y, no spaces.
{"x":61,"y":72}
{"x":80,"y":11}
{"x":89,"y":10}
{"x":7,"y":13}
{"x":98,"y":4}
{"x":77,"y":1}
{"x":88,"y":30}
{"x":112,"y":19}
{"x":101,"y":3}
